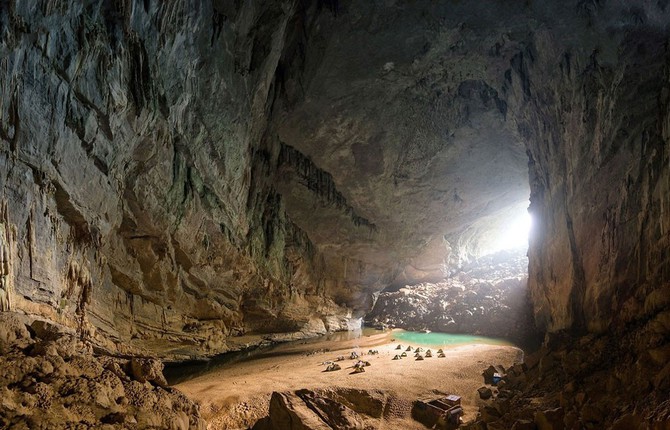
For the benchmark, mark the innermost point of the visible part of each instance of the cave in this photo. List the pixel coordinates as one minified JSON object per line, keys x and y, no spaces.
{"x":184,"y":180}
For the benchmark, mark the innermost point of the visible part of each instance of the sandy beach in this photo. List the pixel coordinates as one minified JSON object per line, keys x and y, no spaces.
{"x":236,"y":396}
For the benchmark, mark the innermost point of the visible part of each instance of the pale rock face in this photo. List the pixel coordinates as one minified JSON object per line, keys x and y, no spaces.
{"x":136,"y":206}
{"x":176,"y":175}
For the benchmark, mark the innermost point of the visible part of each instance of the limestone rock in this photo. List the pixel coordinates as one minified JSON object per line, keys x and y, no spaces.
{"x":485,"y":393}
{"x":56,"y":387}
{"x":551,"y":419}
{"x":13,"y":332}
{"x":148,"y":369}
{"x":288,"y":411}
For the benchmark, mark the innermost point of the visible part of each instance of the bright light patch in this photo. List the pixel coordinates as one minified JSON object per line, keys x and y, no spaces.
{"x":514,"y":234}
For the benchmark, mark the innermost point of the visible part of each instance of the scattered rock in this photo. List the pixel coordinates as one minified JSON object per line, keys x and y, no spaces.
{"x":482,"y":298}
{"x":551,"y":419}
{"x":485,"y":393}
{"x":488,"y":375}
{"x":57,"y":383}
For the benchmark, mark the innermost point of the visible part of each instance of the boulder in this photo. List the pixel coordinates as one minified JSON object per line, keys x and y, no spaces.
{"x":13,"y":332}
{"x":485,"y":393}
{"x":306,"y":410}
{"x":148,"y":369}
{"x":550,"y":419}
{"x":488,"y":375}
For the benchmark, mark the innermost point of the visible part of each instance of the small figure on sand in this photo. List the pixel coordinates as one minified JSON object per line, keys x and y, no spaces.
{"x":396,"y":357}
{"x":404,"y":354}
{"x":353,"y":355}
{"x":419,"y":358}
{"x":332,"y":367}
{"x":409,"y":348}
{"x":398,"y":347}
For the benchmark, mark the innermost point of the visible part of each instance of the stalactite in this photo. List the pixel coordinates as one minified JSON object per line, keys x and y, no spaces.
{"x":321,"y":183}
{"x":79,"y":285}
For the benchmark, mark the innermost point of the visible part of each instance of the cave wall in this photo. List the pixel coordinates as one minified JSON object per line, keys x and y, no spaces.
{"x":177,"y":174}
{"x":136,"y":195}
{"x":592,"y":108}
{"x":418,"y":112}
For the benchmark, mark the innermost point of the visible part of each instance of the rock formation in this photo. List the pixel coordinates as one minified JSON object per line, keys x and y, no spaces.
{"x":327,"y":409}
{"x":51,"y":380}
{"x":594,"y":381}
{"x":178,"y":174}
{"x":138,"y":204}
{"x":488,"y":297}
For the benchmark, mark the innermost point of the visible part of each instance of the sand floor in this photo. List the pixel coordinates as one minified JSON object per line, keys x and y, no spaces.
{"x":236,"y":396}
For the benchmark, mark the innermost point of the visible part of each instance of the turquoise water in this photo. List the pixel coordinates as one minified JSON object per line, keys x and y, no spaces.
{"x":444,"y":339}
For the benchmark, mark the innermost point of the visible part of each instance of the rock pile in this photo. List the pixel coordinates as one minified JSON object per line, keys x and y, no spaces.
{"x":489,"y":297}
{"x":51,"y":379}
{"x":596,"y":381}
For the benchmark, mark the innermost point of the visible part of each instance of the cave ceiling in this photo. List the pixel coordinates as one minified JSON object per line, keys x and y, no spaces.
{"x":404,"y":109}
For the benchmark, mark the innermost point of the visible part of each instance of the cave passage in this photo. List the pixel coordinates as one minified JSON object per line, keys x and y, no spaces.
{"x":181,"y":179}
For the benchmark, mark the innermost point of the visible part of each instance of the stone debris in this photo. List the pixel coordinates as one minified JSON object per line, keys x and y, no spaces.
{"x":485,"y":393}
{"x":488,"y":297}
{"x":51,"y":379}
{"x":595,"y":381}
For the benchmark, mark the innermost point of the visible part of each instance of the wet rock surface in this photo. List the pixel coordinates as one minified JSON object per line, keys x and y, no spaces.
{"x":488,"y":297}
{"x":52,"y":380}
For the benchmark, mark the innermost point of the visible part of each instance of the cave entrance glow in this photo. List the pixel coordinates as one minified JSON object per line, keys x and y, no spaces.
{"x":504,"y":230}
{"x":512,"y":232}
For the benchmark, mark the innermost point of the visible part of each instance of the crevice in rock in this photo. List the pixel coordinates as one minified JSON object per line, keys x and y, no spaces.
{"x":80,"y":231}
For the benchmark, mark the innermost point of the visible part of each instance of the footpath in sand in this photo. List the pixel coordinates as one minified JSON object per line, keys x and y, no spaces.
{"x":237,"y":395}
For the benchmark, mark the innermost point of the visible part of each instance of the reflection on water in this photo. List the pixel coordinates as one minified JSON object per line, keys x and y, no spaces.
{"x":445,"y":339}
{"x":348,"y":335}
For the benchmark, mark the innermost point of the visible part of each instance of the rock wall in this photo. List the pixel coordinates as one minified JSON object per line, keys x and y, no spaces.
{"x":178,"y":174}
{"x":137,"y":203}
{"x":592,"y":104}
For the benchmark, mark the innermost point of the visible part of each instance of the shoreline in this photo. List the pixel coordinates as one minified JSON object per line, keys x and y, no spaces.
{"x":178,"y":372}
{"x":237,"y":396}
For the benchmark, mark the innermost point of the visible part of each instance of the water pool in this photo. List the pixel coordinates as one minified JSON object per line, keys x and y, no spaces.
{"x":444,"y":339}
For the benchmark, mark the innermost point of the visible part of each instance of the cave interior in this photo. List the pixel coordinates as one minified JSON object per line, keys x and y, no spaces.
{"x":182,"y":179}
